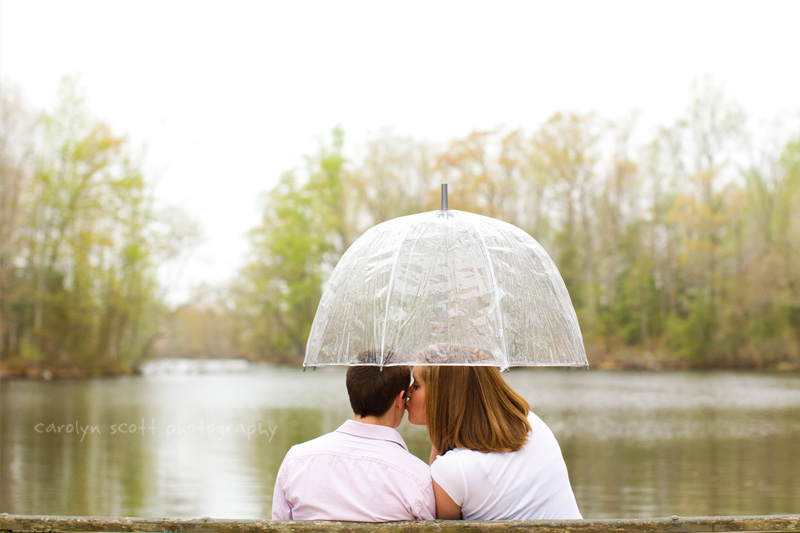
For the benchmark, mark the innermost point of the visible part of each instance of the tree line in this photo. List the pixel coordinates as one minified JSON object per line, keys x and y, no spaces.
{"x":679,"y":248}
{"x":80,"y":239}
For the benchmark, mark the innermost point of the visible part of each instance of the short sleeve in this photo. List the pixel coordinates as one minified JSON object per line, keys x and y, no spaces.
{"x":281,"y":509}
{"x":426,"y":507}
{"x":446,"y":472}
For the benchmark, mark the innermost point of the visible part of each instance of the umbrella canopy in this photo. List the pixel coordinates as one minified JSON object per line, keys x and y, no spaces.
{"x":446,"y":277}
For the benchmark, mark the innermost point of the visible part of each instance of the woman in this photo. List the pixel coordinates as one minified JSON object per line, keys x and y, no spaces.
{"x":491,"y":458}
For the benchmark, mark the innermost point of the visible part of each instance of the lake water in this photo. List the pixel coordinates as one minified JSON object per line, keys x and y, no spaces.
{"x":637,"y":445}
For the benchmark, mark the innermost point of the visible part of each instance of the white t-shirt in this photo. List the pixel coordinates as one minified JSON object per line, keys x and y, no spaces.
{"x":528,"y":484}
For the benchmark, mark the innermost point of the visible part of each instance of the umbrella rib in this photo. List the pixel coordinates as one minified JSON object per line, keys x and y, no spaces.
{"x":495,"y":296}
{"x":389,"y":290}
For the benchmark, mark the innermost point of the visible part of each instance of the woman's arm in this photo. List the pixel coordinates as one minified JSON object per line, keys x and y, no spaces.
{"x":446,"y":508}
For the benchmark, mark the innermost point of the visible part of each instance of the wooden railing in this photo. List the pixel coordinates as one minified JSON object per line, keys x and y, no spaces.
{"x":75,"y":524}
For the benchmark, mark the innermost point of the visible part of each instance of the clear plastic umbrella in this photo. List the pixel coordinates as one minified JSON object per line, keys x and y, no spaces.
{"x":446,"y":277}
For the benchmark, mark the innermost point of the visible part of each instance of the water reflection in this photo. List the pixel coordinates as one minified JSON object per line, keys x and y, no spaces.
{"x":637,"y":445}
{"x":681,"y":443}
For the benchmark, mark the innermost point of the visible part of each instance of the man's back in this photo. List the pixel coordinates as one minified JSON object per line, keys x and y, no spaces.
{"x":360,"y":472}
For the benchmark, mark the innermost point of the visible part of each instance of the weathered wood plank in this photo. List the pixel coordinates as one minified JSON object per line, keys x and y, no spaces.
{"x":76,"y":524}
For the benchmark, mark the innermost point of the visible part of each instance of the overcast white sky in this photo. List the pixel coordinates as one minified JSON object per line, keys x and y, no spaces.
{"x":228,"y":95}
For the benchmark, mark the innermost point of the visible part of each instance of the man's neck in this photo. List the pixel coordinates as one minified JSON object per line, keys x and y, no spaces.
{"x":385,"y":420}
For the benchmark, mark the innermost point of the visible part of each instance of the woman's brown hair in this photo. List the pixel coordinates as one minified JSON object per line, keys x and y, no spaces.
{"x":471,"y":406}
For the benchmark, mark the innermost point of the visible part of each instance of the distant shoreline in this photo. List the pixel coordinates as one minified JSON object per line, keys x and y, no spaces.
{"x":45,"y":373}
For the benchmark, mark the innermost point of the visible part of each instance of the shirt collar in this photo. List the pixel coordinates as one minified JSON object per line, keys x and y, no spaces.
{"x":372,"y":431}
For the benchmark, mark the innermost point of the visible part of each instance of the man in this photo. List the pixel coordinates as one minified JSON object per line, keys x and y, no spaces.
{"x":363,"y":471}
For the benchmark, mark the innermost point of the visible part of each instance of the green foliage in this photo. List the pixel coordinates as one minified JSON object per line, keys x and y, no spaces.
{"x":632,"y":316}
{"x":690,"y":328}
{"x":304,"y":231}
{"x":675,"y":253}
{"x":680,"y":252}
{"x":679,"y":248}
{"x":82,"y":264}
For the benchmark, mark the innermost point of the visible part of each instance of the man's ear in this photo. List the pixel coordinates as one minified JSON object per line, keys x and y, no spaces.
{"x":401,"y":398}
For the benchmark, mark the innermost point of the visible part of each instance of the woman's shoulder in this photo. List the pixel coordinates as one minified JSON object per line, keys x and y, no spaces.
{"x":534,"y":418}
{"x":460,"y":458}
{"x":449,"y":463}
{"x":462,"y":465}
{"x":456,"y":454}
{"x":465,"y":456}
{"x":541,"y":439}
{"x":537,"y":424}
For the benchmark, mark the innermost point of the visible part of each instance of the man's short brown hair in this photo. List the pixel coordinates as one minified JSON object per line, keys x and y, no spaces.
{"x":373,"y":388}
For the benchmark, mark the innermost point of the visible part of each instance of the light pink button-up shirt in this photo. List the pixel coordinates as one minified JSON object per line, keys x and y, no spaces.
{"x":360,"y":473}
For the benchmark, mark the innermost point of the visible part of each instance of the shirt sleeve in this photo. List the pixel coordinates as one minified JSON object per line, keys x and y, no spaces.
{"x":281,"y":510}
{"x":446,"y":471}
{"x":427,"y":505}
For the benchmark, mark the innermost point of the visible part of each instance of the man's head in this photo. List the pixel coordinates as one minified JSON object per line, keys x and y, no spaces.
{"x":374,"y":389}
